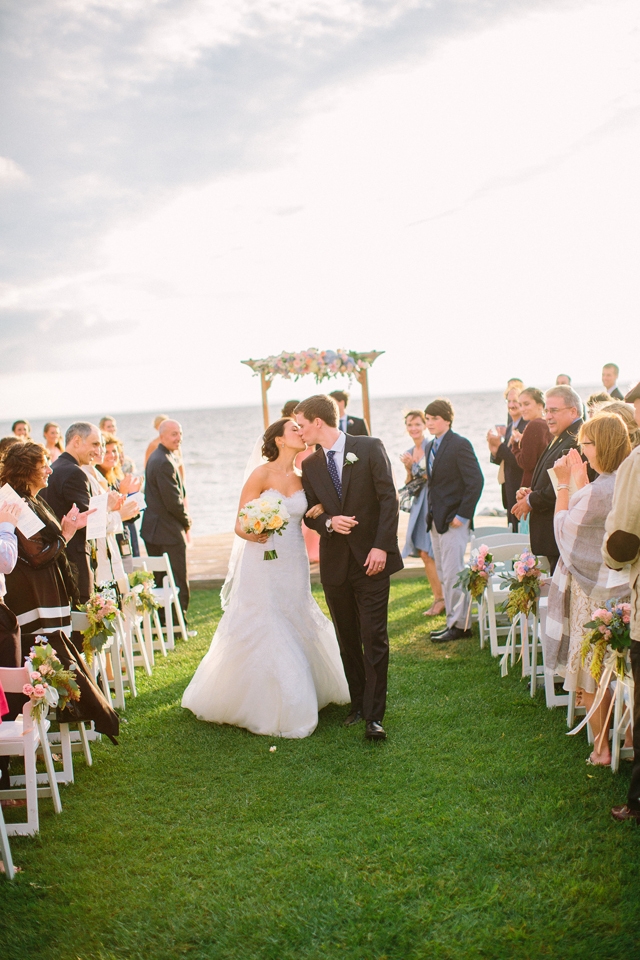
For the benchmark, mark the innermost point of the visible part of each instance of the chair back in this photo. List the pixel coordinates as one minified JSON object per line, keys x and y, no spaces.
{"x":497,"y":539}
{"x":13,"y":679}
{"x":155,"y":564}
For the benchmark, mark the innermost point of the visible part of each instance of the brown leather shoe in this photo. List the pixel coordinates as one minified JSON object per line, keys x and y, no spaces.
{"x":623,"y":813}
{"x":354,"y":717}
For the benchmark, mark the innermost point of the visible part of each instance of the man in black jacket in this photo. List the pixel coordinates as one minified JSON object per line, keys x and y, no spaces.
{"x":352,"y":478}
{"x":501,"y":453}
{"x":455,"y":485}
{"x":69,"y":490}
{"x":562,"y":413}
{"x":166,"y":521}
{"x":354,"y":426}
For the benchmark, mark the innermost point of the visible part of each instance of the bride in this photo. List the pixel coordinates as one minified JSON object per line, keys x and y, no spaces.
{"x":274,"y":659}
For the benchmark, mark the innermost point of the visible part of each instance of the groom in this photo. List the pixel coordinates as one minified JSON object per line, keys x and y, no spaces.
{"x":351,"y":477}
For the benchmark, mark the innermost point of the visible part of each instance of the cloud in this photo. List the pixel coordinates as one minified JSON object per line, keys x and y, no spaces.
{"x":112,"y":106}
{"x":38,"y":339}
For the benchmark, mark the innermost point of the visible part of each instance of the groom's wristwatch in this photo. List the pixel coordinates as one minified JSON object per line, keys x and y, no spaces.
{"x":329,"y":525}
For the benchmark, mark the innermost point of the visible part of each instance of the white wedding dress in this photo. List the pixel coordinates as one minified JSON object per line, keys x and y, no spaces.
{"x":274,"y":659}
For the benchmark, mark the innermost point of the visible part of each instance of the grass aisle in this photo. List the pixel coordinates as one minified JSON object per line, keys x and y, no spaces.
{"x":476,"y":830}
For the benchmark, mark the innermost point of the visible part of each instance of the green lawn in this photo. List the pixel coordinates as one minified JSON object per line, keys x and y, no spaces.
{"x":476,"y":830}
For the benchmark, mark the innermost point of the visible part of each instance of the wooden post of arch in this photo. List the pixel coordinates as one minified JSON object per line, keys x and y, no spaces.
{"x":366,"y":407}
{"x":265,"y":383}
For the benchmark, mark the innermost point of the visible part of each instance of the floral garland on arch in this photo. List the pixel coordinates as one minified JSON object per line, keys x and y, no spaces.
{"x":322,"y":364}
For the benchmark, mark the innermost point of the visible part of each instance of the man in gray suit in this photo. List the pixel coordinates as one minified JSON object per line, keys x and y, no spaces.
{"x":166,"y":521}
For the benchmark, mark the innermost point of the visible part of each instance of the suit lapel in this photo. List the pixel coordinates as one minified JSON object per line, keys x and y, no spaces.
{"x":350,"y":443}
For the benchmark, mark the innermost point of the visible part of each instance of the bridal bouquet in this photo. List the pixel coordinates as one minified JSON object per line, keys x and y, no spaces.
{"x":524,"y":585}
{"x":609,"y":627}
{"x":101,"y":609}
{"x":475,"y":575}
{"x":51,"y":685}
{"x":264,"y":515}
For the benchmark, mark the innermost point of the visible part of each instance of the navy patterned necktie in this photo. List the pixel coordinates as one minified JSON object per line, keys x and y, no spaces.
{"x":432,"y":456}
{"x":333,"y":472}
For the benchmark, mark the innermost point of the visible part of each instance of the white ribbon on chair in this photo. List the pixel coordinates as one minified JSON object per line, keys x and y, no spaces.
{"x":610,"y":668}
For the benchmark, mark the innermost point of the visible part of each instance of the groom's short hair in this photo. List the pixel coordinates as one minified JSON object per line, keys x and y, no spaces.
{"x":319,"y":407}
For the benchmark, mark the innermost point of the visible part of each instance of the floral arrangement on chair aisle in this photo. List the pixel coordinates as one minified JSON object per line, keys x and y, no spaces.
{"x":475,"y":575}
{"x":608,"y":635}
{"x":101,"y":609}
{"x":51,"y":684}
{"x":524,"y":590}
{"x":142,"y":583}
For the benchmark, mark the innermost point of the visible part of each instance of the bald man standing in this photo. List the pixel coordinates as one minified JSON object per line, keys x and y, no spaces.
{"x":166,"y":521}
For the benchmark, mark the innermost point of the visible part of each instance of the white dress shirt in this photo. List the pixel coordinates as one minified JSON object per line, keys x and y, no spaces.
{"x":8,"y":553}
{"x":338,"y":447}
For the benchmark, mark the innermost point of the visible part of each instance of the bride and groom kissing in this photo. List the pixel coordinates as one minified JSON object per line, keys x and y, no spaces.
{"x":275,"y":659}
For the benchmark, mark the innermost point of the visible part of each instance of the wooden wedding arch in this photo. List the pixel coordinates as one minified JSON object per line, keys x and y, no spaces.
{"x":322,"y":364}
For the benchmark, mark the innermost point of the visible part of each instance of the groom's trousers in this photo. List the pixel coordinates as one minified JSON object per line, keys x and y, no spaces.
{"x":359,"y":609}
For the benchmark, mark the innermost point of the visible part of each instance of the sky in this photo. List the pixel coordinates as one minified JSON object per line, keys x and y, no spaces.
{"x":190,"y":183}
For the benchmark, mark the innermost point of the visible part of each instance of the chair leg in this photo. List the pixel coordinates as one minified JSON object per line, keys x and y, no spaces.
{"x":5,"y":850}
{"x":85,"y":745}
{"x":48,"y":762}
{"x":157,"y":629}
{"x":534,"y":657}
{"x":126,"y":655}
{"x":617,"y":718}
{"x":571,"y":709}
{"x":148,"y":637}
{"x":66,"y":776}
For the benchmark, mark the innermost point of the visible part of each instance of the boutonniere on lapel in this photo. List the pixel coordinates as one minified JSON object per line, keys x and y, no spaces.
{"x":350,"y":458}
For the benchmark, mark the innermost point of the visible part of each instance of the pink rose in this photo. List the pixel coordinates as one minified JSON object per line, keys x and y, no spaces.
{"x":38,"y":690}
{"x":626,"y":618}
{"x":602,"y":628}
{"x":36,"y":676}
{"x":27,"y":690}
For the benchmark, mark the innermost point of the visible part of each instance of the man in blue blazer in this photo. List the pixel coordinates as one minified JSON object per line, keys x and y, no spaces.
{"x":455,"y":484}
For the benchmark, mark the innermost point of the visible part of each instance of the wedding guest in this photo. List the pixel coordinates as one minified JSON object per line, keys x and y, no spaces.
{"x":108,"y":425}
{"x":7,"y":442}
{"x":610,"y":374}
{"x":624,"y":410}
{"x":595,"y":401}
{"x":22,"y":429}
{"x":52,"y":441}
{"x":509,"y":473}
{"x":418,"y":542}
{"x":354,"y":426}
{"x":153,"y":444}
{"x":634,"y":397}
{"x":514,"y":384}
{"x":108,"y":558}
{"x":114,"y":479}
{"x":10,"y":647}
{"x":166,"y":521}
{"x":563,"y":406}
{"x":69,"y":491}
{"x":622,"y":546}
{"x":455,"y":484}
{"x":581,"y":582}
{"x":530,"y":444}
{"x":563,"y":380}
{"x":42,"y":585}
{"x":289,"y":407}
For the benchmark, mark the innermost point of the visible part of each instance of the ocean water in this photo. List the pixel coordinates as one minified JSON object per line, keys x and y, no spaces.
{"x":218,"y":442}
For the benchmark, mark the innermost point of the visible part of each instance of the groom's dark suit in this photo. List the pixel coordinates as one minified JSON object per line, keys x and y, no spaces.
{"x":358,"y":603}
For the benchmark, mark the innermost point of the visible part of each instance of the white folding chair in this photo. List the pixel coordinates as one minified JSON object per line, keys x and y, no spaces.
{"x":622,"y":719}
{"x":495,"y":622}
{"x":5,"y":850}
{"x":23,"y":737}
{"x":168,"y":595}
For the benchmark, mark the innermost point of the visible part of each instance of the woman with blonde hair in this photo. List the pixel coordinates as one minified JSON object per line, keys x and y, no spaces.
{"x":52,"y":441}
{"x":626,"y":411}
{"x":581,"y":582}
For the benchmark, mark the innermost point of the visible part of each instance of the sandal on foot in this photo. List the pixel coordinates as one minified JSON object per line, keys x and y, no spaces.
{"x":592,"y":763}
{"x":436,"y":609}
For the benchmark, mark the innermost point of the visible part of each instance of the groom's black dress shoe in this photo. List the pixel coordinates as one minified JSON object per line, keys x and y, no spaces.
{"x":453,"y":633}
{"x":354,"y":717}
{"x":438,"y":633}
{"x":375,"y":731}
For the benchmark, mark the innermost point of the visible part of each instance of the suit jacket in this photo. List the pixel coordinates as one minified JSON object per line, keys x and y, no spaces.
{"x":542,"y":498}
{"x":369,"y":494}
{"x":69,"y":484}
{"x":165,"y":519}
{"x":615,"y":394}
{"x":512,"y":472}
{"x":455,"y":483}
{"x":357,"y":427}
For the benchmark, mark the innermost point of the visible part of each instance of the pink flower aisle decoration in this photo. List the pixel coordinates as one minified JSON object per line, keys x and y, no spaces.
{"x":475,"y":575}
{"x":524,"y":590}
{"x":101,"y":609}
{"x":323,"y":364}
{"x":609,"y":628}
{"x":51,"y":685}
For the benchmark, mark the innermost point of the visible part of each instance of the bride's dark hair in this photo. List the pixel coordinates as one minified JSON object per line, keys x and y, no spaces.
{"x":269,"y":446}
